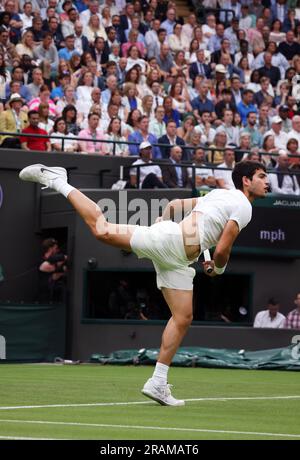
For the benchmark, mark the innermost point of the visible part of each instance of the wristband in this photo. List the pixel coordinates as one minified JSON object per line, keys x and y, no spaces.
{"x":220,"y":271}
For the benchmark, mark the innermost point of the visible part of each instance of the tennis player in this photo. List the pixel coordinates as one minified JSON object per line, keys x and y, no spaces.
{"x":213,"y":220}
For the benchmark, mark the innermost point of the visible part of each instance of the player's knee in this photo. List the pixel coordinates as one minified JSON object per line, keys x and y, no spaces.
{"x":183,"y":321}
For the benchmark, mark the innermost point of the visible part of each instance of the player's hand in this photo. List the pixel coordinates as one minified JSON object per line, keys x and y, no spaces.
{"x":209,"y":265}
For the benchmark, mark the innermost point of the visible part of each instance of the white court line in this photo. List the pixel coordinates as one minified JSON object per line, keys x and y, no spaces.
{"x":134,"y":403}
{"x":22,"y":438}
{"x":157,"y":428}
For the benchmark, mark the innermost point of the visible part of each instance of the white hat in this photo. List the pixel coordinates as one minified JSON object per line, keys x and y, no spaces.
{"x":145,"y":145}
{"x":220,"y":68}
{"x":276,"y":119}
{"x":15,"y":97}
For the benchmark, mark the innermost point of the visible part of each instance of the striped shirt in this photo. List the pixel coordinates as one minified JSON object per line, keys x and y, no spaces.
{"x":293,"y":320}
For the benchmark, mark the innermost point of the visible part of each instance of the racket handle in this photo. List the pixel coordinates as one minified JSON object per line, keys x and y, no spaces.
{"x":207,"y":258}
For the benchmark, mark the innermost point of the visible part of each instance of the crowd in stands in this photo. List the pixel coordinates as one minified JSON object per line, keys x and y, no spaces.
{"x":272,"y":318}
{"x":109,"y":71}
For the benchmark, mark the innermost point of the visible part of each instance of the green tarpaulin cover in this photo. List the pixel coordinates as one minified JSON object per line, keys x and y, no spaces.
{"x":278,"y":358}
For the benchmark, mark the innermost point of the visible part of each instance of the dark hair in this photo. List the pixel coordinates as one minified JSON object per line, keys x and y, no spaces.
{"x":68,"y":108}
{"x":245,"y":169}
{"x":56,"y":123}
{"x":273,"y":301}
{"x":32,"y":112}
{"x":48,"y":243}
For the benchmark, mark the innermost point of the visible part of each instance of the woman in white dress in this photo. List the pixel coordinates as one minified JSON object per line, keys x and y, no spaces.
{"x":94,"y":29}
{"x":114,"y":134}
{"x":60,"y":129}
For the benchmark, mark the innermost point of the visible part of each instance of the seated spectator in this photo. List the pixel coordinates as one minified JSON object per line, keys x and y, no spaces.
{"x":292,"y":148}
{"x":293,"y":317}
{"x":45,"y":122}
{"x":13,"y":120}
{"x":44,"y":97}
{"x":69,"y":114}
{"x":37,"y":81}
{"x":201,"y":103}
{"x":68,"y":98}
{"x":133,"y":120}
{"x":270,"y":318}
{"x":130,"y":98}
{"x":280,"y":137}
{"x":233,"y":132}
{"x":263,"y":94}
{"x":180,"y":97}
{"x":91,"y":136}
{"x":16,"y":84}
{"x":203,"y":175}
{"x":283,"y":181}
{"x":224,"y":177}
{"x":143,"y":134}
{"x":33,"y":143}
{"x":268,"y":148}
{"x":217,"y":156}
{"x":170,"y":113}
{"x":171,"y":138}
{"x":47,"y":51}
{"x":114,"y":134}
{"x":150,"y":176}
{"x":246,"y":105}
{"x":94,"y":29}
{"x":175,"y":175}
{"x":205,"y":128}
{"x":187,"y":127}
{"x":62,"y":145}
{"x":256,"y":139}
{"x":270,"y":71}
{"x":276,"y":34}
{"x":27,"y":45}
{"x":157,"y":125}
{"x":147,"y":107}
{"x":69,"y":49}
{"x":283,"y":112}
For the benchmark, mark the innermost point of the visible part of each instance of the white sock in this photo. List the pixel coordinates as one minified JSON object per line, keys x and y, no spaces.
{"x":160,"y":374}
{"x":61,"y":186}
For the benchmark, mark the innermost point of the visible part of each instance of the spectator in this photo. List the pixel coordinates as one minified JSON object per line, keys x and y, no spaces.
{"x":157,"y":126}
{"x":52,"y":272}
{"x":293,"y":317}
{"x":149,"y":176}
{"x":171,"y":138}
{"x":114,"y":134}
{"x":44,"y":97}
{"x":203,"y":175}
{"x":256,"y":139}
{"x":91,"y":137}
{"x":280,"y":137}
{"x":223,"y":176}
{"x":174,"y":175}
{"x":170,"y":113}
{"x":45,"y":122}
{"x":142,"y":134}
{"x":201,"y":103}
{"x":295,"y":132}
{"x":246,"y":105}
{"x":34,"y":88}
{"x":33,"y":143}
{"x":13,"y":120}
{"x":216,"y":156}
{"x":63,"y":145}
{"x":69,"y":114}
{"x":283,"y":181}
{"x":270,"y":318}
{"x":47,"y":51}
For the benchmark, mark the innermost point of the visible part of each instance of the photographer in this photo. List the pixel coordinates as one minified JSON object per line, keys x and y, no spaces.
{"x":52,"y":272}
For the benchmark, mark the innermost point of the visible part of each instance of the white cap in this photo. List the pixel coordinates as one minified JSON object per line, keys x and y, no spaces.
{"x":220,"y":68}
{"x":277,"y":119}
{"x":145,"y":145}
{"x":15,"y":97}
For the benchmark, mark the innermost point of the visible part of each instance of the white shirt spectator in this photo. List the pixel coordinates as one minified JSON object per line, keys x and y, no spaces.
{"x":289,"y":184}
{"x":294,"y":135}
{"x":225,"y":175}
{"x":280,"y":140}
{"x":155,"y":169}
{"x":263,"y":319}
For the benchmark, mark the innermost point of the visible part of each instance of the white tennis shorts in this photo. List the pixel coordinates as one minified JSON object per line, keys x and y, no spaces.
{"x":163,"y":244}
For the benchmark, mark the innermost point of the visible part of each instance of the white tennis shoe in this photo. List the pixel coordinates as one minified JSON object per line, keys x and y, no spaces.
{"x":161,"y":394}
{"x":43,"y":175}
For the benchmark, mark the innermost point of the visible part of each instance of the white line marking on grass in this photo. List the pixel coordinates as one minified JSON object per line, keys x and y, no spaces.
{"x":158,"y":428}
{"x":134,"y":403}
{"x":22,"y":438}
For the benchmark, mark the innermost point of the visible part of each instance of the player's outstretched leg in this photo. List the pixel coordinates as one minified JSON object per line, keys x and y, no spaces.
{"x":56,"y":179}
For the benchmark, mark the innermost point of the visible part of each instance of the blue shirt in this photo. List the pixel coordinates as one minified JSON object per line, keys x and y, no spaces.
{"x":244,"y":110}
{"x":206,"y":106}
{"x":175,"y":116}
{"x":137,"y":137}
{"x":178,"y":172}
{"x":66,"y":54}
{"x":57,"y":92}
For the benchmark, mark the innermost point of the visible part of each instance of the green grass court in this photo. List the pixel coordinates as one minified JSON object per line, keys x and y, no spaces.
{"x":104,"y":402}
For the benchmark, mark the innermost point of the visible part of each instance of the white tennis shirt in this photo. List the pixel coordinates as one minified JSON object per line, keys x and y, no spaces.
{"x":217,"y":208}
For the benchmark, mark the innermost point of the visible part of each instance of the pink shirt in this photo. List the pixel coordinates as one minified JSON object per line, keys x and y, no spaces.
{"x":34,"y":105}
{"x":89,"y":145}
{"x":127,"y":45}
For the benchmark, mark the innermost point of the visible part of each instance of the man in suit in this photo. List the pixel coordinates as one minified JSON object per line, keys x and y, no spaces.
{"x":199,"y":67}
{"x":13,"y":120}
{"x":174,"y":175}
{"x":172,"y":139}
